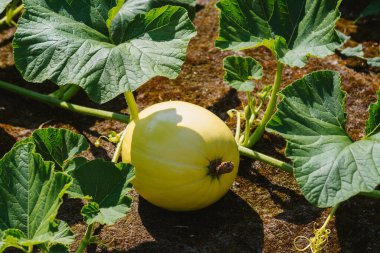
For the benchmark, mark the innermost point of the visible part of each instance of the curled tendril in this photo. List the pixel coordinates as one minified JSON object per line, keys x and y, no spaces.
{"x":316,"y":243}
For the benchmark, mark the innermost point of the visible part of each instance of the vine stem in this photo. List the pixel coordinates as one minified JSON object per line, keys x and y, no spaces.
{"x":287,"y":167}
{"x":86,"y":239}
{"x":266,"y":159}
{"x":62,"y":104}
{"x":30,"y":249}
{"x":259,"y":131}
{"x":70,"y":92}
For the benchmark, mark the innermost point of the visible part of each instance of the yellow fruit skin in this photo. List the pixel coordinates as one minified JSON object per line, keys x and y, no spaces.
{"x":171,"y":146}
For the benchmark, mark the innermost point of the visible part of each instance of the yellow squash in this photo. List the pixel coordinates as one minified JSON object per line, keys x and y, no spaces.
{"x":185,"y":157}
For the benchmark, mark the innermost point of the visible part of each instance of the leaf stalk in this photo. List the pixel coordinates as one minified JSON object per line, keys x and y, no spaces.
{"x":133,"y":110}
{"x":62,"y":104}
{"x":259,"y":131}
{"x":86,"y":240}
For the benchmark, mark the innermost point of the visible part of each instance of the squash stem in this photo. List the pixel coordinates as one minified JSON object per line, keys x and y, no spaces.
{"x":86,"y":239}
{"x":259,"y":131}
{"x":266,"y":159}
{"x":133,"y":110}
{"x":62,"y":104}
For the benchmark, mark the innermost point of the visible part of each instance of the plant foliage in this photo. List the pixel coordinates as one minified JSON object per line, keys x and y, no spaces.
{"x":293,"y":30}
{"x":71,"y":43}
{"x":30,"y":195}
{"x":241,"y":71}
{"x":328,"y":165}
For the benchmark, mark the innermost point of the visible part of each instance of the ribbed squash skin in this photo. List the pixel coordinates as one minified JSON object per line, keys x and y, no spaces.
{"x":171,"y":147}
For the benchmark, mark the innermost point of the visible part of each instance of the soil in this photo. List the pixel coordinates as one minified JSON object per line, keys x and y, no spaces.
{"x":264,"y":210}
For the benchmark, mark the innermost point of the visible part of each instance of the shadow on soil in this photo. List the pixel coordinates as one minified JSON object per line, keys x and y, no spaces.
{"x":358,"y":225}
{"x":6,"y":142}
{"x":295,"y":207}
{"x":228,"y":226}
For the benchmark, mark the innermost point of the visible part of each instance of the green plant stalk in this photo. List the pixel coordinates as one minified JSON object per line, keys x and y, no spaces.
{"x":373,"y":194}
{"x":287,"y":167}
{"x":119,"y":146}
{"x":70,"y":92}
{"x":331,"y":214}
{"x":30,"y":249}
{"x":133,"y":110}
{"x":62,"y":104}
{"x":14,"y":13}
{"x":266,"y":159}
{"x":259,"y":131}
{"x":65,"y":92}
{"x":86,"y":239}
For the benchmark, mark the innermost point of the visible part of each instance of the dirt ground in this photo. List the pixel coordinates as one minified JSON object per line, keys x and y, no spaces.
{"x":264,"y":211}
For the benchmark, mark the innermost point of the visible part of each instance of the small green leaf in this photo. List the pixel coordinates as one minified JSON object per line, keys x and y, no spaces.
{"x":30,"y":195}
{"x":107,"y":188}
{"x":374,"y":62}
{"x":75,"y":46}
{"x":354,"y":51}
{"x":57,"y":145}
{"x":328,"y":165}
{"x":306,"y":26}
{"x":239,"y":72}
{"x":372,"y":125}
{"x":4,"y":4}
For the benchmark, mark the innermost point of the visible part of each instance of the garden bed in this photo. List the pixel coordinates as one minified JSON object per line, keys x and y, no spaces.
{"x":264,"y":211}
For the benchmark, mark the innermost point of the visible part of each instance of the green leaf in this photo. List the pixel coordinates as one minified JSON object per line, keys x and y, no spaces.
{"x":328,"y":165}
{"x":107,"y":188}
{"x":372,"y":125}
{"x":354,"y":51}
{"x":74,"y":46}
{"x":125,"y":11}
{"x":374,"y":62}
{"x":4,"y":4}
{"x":30,"y":195}
{"x":61,"y":233}
{"x":239,"y":72}
{"x":57,"y":145}
{"x":372,"y":9}
{"x":307,"y":26}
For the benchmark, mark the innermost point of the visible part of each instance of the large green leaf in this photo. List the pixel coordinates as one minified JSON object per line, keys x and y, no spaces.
{"x":372,"y":125}
{"x":106,"y":185}
{"x":71,"y":44}
{"x":328,"y":165}
{"x":307,"y":26}
{"x":3,"y":5}
{"x":30,"y":195}
{"x":57,"y":145}
{"x":241,"y":71}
